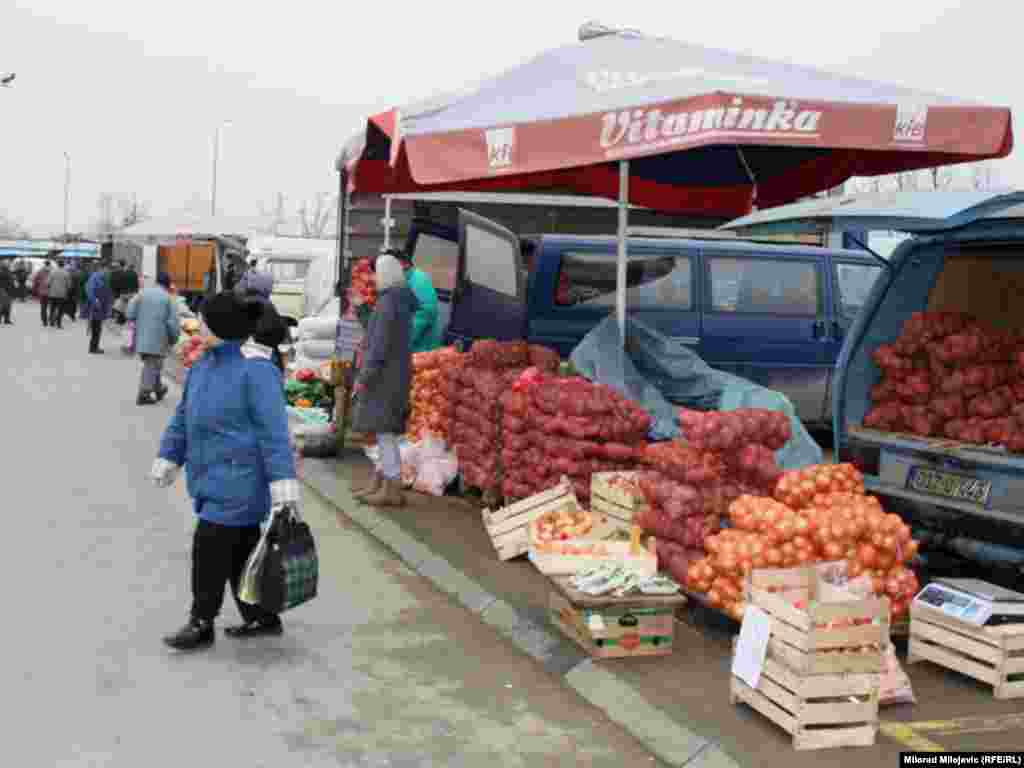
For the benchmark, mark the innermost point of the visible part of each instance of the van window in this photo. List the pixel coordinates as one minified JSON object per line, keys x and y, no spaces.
{"x":745,"y":285}
{"x":492,"y":261}
{"x":439,"y":258}
{"x":654,"y":280}
{"x":855,"y":282}
{"x":288,"y":271}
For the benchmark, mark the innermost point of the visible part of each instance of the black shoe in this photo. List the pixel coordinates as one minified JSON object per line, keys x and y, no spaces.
{"x":255,"y":629}
{"x":95,"y":351}
{"x":144,"y":398}
{"x":161,"y":394}
{"x":195,"y":635}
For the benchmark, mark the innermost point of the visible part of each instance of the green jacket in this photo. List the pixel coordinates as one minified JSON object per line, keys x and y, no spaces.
{"x":427,"y":333}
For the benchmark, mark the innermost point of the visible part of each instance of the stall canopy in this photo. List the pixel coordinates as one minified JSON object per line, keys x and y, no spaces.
{"x":194,"y":226}
{"x":705,"y":131}
{"x":918,"y":212}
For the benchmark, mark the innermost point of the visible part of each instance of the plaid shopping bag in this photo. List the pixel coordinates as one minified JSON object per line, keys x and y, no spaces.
{"x":290,"y":567}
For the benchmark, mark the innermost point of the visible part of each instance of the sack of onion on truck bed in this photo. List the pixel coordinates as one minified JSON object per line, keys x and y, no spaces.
{"x":817,"y":514}
{"x":554,"y":427}
{"x":949,"y":375}
{"x":691,"y":482}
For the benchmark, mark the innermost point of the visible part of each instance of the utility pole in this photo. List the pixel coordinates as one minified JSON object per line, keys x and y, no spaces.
{"x":216,"y":155}
{"x":67,"y":190}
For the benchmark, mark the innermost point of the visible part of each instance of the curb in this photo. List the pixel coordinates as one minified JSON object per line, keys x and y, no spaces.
{"x":672,"y":743}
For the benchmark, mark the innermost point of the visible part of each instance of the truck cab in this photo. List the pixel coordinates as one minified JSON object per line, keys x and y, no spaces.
{"x":965,"y":499}
{"x":774,"y":314}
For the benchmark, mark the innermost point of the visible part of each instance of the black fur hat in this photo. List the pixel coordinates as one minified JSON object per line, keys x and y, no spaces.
{"x":231,"y":318}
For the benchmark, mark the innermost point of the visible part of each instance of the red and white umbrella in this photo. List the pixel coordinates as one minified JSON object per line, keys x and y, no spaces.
{"x":667,"y":125}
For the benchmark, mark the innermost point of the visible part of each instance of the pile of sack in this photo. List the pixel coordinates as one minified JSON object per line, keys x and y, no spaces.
{"x":316,"y":339}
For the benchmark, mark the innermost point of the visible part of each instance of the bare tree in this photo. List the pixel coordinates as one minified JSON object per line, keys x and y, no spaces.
{"x":106,"y":223}
{"x":133,"y":211}
{"x":276,"y":215}
{"x":315,"y":217}
{"x":11,"y":228}
{"x":983,"y":176}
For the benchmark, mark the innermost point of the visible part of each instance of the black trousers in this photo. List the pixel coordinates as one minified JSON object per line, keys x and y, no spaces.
{"x":57,"y":312}
{"x":219,"y":553}
{"x":5,"y":312}
{"x":71,"y":307}
{"x":95,"y":331}
{"x":44,"y":309}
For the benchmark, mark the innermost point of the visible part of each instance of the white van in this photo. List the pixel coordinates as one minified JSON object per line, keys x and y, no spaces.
{"x":288,"y":260}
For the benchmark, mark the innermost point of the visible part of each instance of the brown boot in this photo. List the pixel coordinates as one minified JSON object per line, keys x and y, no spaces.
{"x":376,"y":481}
{"x":390,"y":495}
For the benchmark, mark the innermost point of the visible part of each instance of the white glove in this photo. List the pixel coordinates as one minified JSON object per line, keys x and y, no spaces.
{"x":164,"y":473}
{"x":284,"y":492}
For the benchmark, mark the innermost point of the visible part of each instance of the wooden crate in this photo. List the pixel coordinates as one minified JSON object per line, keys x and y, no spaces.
{"x":614,"y":500}
{"x":619,"y":552}
{"x":993,"y":655}
{"x":615,"y":628}
{"x":509,"y":527}
{"x":818,"y":711}
{"x":800,"y":642}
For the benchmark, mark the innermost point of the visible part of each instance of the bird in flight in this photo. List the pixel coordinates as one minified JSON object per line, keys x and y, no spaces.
{"x":7,"y":80}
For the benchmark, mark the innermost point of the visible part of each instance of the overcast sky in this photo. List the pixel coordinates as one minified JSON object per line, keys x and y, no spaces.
{"x":134,"y":91}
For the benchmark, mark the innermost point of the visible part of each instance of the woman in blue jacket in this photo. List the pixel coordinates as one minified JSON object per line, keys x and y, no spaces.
{"x":230,"y":431}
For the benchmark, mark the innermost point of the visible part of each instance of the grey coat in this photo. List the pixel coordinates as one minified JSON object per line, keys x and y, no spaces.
{"x":59,"y":285}
{"x":156,"y":321}
{"x":386,"y":375}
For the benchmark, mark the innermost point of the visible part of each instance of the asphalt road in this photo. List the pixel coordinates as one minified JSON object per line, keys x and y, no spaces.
{"x":380,"y":670}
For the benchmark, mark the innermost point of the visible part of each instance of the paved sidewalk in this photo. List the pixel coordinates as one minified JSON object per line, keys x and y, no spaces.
{"x":677,"y":706}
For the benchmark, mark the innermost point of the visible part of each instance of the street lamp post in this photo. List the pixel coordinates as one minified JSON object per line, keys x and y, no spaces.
{"x":67,"y":189}
{"x":216,"y":154}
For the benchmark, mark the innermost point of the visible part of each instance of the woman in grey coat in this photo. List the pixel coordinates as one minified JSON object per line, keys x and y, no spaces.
{"x":382,"y":389}
{"x":155,"y":315}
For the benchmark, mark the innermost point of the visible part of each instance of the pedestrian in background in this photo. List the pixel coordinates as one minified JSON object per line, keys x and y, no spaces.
{"x":83,"y":299}
{"x":21,"y":274}
{"x":7,"y":290}
{"x":57,"y":291}
{"x":101,"y":299}
{"x":156,"y":330}
{"x":40,"y":288}
{"x":71,"y":303}
{"x":131,"y":281}
{"x":382,"y":389}
{"x":230,"y":431}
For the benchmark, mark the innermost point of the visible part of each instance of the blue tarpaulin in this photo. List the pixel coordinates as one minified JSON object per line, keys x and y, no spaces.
{"x":691,"y":382}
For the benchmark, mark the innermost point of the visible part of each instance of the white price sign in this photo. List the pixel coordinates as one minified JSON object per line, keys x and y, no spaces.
{"x":752,"y":646}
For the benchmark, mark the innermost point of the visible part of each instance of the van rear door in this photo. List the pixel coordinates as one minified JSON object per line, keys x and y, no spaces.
{"x":488,"y":300}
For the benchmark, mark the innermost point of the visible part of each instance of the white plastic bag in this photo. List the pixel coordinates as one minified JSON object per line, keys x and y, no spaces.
{"x":437,"y":467}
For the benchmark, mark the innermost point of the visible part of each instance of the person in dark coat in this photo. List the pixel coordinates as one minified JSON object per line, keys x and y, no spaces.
{"x":382,"y":389}
{"x":40,"y":289}
{"x":7,"y":290}
{"x":101,"y":299}
{"x":21,"y":272}
{"x":230,"y":432}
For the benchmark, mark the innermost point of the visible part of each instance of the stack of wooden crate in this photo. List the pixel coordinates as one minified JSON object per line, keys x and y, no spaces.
{"x":993,"y":655}
{"x":820,"y":681}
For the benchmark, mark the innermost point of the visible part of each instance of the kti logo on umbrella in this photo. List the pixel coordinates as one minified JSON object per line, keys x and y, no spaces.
{"x":501,"y":144}
{"x":911,"y":121}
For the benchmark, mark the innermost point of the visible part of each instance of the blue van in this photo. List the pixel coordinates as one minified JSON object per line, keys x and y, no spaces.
{"x":966,"y":501}
{"x":774,"y":314}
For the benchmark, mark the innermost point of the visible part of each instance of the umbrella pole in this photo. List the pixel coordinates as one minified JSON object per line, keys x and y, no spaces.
{"x":620,"y":278}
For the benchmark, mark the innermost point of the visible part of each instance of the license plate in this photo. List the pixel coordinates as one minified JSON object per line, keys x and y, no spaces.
{"x":949,"y":485}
